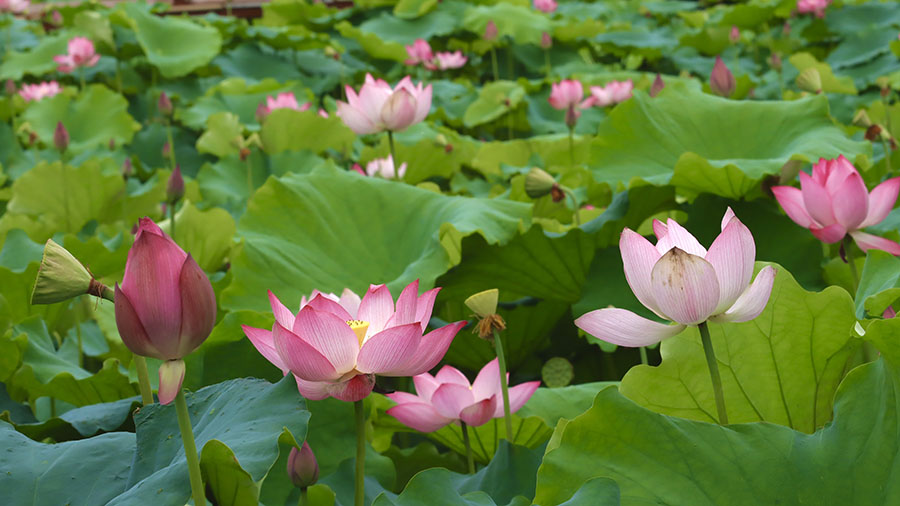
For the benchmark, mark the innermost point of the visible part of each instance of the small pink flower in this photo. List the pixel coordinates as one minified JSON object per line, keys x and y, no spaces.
{"x":816,"y":7}
{"x":734,"y":36}
{"x":14,"y":6}
{"x":490,"y":31}
{"x":448,"y":397}
{"x":81,"y":54}
{"x":419,"y":52}
{"x":834,"y":202}
{"x":378,"y":107}
{"x":384,"y":167}
{"x":358,"y":169}
{"x":611,"y":94}
{"x":447,"y":60}
{"x":566,"y":94}
{"x":547,"y":6}
{"x":36,"y":92}
{"x":285,"y":100}
{"x":721,"y":80}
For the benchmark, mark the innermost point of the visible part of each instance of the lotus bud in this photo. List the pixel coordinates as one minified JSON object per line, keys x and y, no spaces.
{"x":10,"y":87}
{"x":484,"y":305}
{"x":61,"y":137}
{"x":889,"y":312}
{"x":175,"y":188}
{"x":127,"y":168}
{"x":721,"y":80}
{"x":164,"y":105}
{"x":775,"y":62}
{"x":657,"y":86}
{"x":302,"y":466}
{"x":861,"y":119}
{"x":56,"y":18}
{"x":166,"y":150}
{"x":546,"y":41}
{"x":61,"y":277}
{"x":539,"y":183}
{"x":557,"y":372}
{"x":734,"y":36}
{"x":490,"y":31}
{"x":810,"y":80}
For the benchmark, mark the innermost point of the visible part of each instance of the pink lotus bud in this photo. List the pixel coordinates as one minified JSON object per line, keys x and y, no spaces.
{"x":56,"y":18}
{"x":378,"y":107}
{"x":889,"y":312}
{"x":302,"y":466}
{"x":127,"y":168}
{"x":61,"y":137}
{"x":10,"y":87}
{"x":721,"y":80}
{"x":657,"y":86}
{"x":175,"y":187}
{"x":166,"y":150}
{"x":734,"y":36}
{"x":358,"y":169}
{"x":490,"y":31}
{"x":546,"y":6}
{"x":164,"y":104}
{"x":546,"y":41}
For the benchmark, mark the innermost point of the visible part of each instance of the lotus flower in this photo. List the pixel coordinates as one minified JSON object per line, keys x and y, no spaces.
{"x":679,"y":280}
{"x":165,"y":306}
{"x":419,"y":52}
{"x":448,"y":397}
{"x":566,"y":95}
{"x":721,"y":80}
{"x":336,"y":348}
{"x":834,"y":202}
{"x":13,"y":6}
{"x":384,"y":167}
{"x":490,"y":31}
{"x":613,"y":93}
{"x":734,"y":35}
{"x":816,"y":7}
{"x":81,"y":54}
{"x":447,"y":60}
{"x":378,"y":107}
{"x":36,"y":92}
{"x":302,"y":467}
{"x":547,"y":6}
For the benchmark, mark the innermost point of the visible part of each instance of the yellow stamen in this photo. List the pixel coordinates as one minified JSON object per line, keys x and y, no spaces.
{"x":359,"y":327}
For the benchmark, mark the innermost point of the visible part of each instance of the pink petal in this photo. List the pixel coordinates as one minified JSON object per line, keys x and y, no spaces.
{"x":868,"y":241}
{"x":424,"y":307}
{"x":131,"y":330}
{"x":355,"y":389}
{"x":401,"y":397}
{"x":356,"y":120}
{"x":685,"y":286}
{"x":678,"y":236}
{"x":329,"y":335}
{"x":377,"y":307}
{"x":283,"y":315}
{"x":830,"y":234}
{"x":171,"y":375}
{"x":313,"y":390}
{"x":839,"y":170}
{"x":423,"y":104}
{"x":519,"y":395}
{"x":850,"y":202}
{"x":372,"y":98}
{"x":430,"y":351}
{"x":816,"y":200}
{"x":406,"y":306}
{"x":350,"y":301}
{"x":726,"y":218}
{"x":419,"y":416}
{"x":450,"y":399}
{"x":659,"y":229}
{"x":791,"y":200}
{"x":264,"y":343}
{"x":425,"y":385}
{"x":487,"y":383}
{"x":198,"y":307}
{"x":481,"y":412}
{"x":638,"y":259}
{"x":388,"y":349}
{"x":399,"y":111}
{"x":324,"y":304}
{"x":881,"y":201}
{"x":302,"y":358}
{"x":622,"y":327}
{"x":752,"y":302}
{"x":732,"y":255}
{"x":450,"y":374}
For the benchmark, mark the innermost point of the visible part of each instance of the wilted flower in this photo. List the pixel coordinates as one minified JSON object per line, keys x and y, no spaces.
{"x":81,"y":54}
{"x":378,"y":107}
{"x":547,"y":6}
{"x":721,"y":80}
{"x":613,"y":93}
{"x":39,"y":91}
{"x":384,"y":167}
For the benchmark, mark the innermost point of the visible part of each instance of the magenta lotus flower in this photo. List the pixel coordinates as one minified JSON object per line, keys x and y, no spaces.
{"x":165,"y":306}
{"x":336,"y":348}
{"x":611,"y":94}
{"x":816,"y":7}
{"x":490,"y":31}
{"x":447,"y":60}
{"x":384,"y":167}
{"x":36,"y":92}
{"x":565,"y":94}
{"x":448,"y":397}
{"x":378,"y":107}
{"x":419,"y":52}
{"x":81,"y":54}
{"x":547,"y":6}
{"x":834,"y":202}
{"x":14,"y":6}
{"x":679,"y":280}
{"x":734,"y":35}
{"x":302,"y":466}
{"x":721,"y":80}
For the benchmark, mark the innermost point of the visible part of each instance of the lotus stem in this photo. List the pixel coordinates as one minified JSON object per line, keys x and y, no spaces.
{"x":494,"y":65}
{"x":571,"y":194}
{"x":171,"y":145}
{"x":190,"y":449}
{"x":304,"y":497}
{"x":359,"y":498}
{"x":887,"y":154}
{"x":504,"y":387}
{"x":140,"y":364}
{"x":81,"y":78}
{"x":644,"y":359}
{"x":393,"y":155}
{"x":470,"y":460}
{"x":714,"y":373}
{"x":847,"y":246}
{"x":572,"y":146}
{"x":547,"y":61}
{"x":80,"y":343}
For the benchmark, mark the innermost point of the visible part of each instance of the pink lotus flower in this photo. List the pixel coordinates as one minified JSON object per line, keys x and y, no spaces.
{"x":285,"y":100}
{"x":547,"y":6}
{"x":165,"y":306}
{"x":336,"y":348}
{"x":81,"y":54}
{"x":490,"y":31}
{"x":36,"y":92}
{"x":302,"y":466}
{"x":734,"y":35}
{"x":419,"y":52}
{"x":816,"y":7}
{"x":14,"y":6}
{"x":378,"y":107}
{"x":834,"y":202}
{"x":448,"y":397}
{"x":613,"y":93}
{"x":384,"y":167}
{"x":447,"y":60}
{"x":721,"y":80}
{"x":679,"y":280}
{"x":566,"y":95}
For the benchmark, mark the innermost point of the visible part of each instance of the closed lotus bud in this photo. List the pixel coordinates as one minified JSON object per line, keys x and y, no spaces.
{"x":490,"y":31}
{"x":61,"y":137}
{"x":775,"y":62}
{"x":538,"y":183}
{"x":127,"y":168}
{"x":56,"y":18}
{"x":166,"y":150}
{"x":175,"y":188}
{"x":861,"y":119}
{"x":10,"y":87}
{"x":164,"y":105}
{"x":721,"y":80}
{"x":546,"y":41}
{"x":657,"y":86}
{"x":734,"y":36}
{"x":302,"y":466}
{"x":61,"y":277}
{"x":810,"y":80}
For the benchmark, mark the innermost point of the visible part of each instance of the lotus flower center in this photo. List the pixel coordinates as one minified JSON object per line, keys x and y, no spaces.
{"x":359,"y":327}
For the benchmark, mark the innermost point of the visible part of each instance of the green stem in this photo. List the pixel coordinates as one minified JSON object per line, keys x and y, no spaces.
{"x":644,"y":359}
{"x":501,"y":361}
{"x":469,"y":458}
{"x":851,"y":261}
{"x":80,"y":344}
{"x":171,"y":144}
{"x":10,"y":20}
{"x":249,"y":178}
{"x":190,"y":449}
{"x":887,"y":154}
{"x":359,"y":498}
{"x":547,"y":61}
{"x":304,"y":497}
{"x":714,"y":373}
{"x":571,"y":194}
{"x":393,"y":155}
{"x":140,"y":364}
{"x":494,"y":65}
{"x":572,"y":146}
{"x":171,"y":206}
{"x":118,"y":75}
{"x":81,"y":77}
{"x":509,"y":124}
{"x":509,"y":63}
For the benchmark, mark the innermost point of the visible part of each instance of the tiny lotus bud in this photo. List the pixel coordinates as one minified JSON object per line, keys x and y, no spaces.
{"x":164,"y":105}
{"x":810,"y":80}
{"x":261,"y":112}
{"x":546,"y":41}
{"x":861,"y":119}
{"x":175,"y":188}
{"x":302,"y":466}
{"x":127,"y":168}
{"x":166,"y":150}
{"x":490,"y":31}
{"x":734,"y":36}
{"x":61,"y":137}
{"x":10,"y":87}
{"x":775,"y":62}
{"x":56,"y":18}
{"x":657,"y":86}
{"x":538,"y":183}
{"x":60,"y":277}
{"x":721,"y":80}
{"x":483,"y":303}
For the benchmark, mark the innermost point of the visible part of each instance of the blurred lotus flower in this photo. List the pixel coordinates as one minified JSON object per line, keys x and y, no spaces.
{"x":657,"y":86}
{"x":9,"y":87}
{"x":448,"y":397}
{"x":490,"y":31}
{"x":56,"y":18}
{"x":175,"y":186}
{"x":378,"y":107}
{"x":816,"y":7}
{"x":164,"y":105}
{"x":13,"y":6}
{"x":384,"y":167}
{"x":61,"y":137}
{"x":419,"y":52}
{"x":734,"y":36}
{"x":834,"y":202}
{"x":447,"y":60}
{"x":721,"y":80}
{"x":775,"y":61}
{"x":335,"y":349}
{"x":546,"y":41}
{"x":566,"y":95}
{"x":165,"y":306}
{"x":127,"y":168}
{"x":36,"y":92}
{"x":613,"y":93}
{"x":358,"y":169}
{"x":547,"y":6}
{"x":81,"y":54}
{"x":285,"y":100}
{"x":302,"y":466}
{"x":679,"y":280}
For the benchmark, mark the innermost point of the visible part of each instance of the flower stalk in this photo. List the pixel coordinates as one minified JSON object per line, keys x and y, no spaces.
{"x":360,"y":494}
{"x":713,"y":372}
{"x":390,"y":135}
{"x":140,"y":364}
{"x":190,"y":449}
{"x":504,"y":384}
{"x":470,"y":459}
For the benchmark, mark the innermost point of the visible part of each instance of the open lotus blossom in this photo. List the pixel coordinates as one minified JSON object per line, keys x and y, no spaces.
{"x":447,"y":60}
{"x":816,"y":7}
{"x":336,"y":348}
{"x":81,"y":54}
{"x":36,"y":92}
{"x":834,"y":202}
{"x":611,"y":94}
{"x":448,"y":397}
{"x":384,"y":167}
{"x":566,"y":96}
{"x":378,"y":107}
{"x":547,"y":6}
{"x":14,"y":6}
{"x":679,"y":280}
{"x":419,"y":52}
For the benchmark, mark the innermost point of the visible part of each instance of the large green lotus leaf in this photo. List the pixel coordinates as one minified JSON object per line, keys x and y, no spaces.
{"x":287,"y":129}
{"x":879,"y":284}
{"x":687,"y":138}
{"x":372,"y":44}
{"x":855,"y":19}
{"x":237,"y":97}
{"x":93,"y":118}
{"x":65,"y":473}
{"x":524,"y":24}
{"x":553,"y":149}
{"x":38,"y":61}
{"x":302,"y":232}
{"x":229,"y":484}
{"x":443,"y":20}
{"x":494,"y":100}
{"x":250,"y":62}
{"x":782,"y":367}
{"x":223,"y":135}
{"x":830,"y":82}
{"x":861,"y":47}
{"x":175,"y":46}
{"x":662,"y":459}
{"x":81,"y":422}
{"x":249,"y":416}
